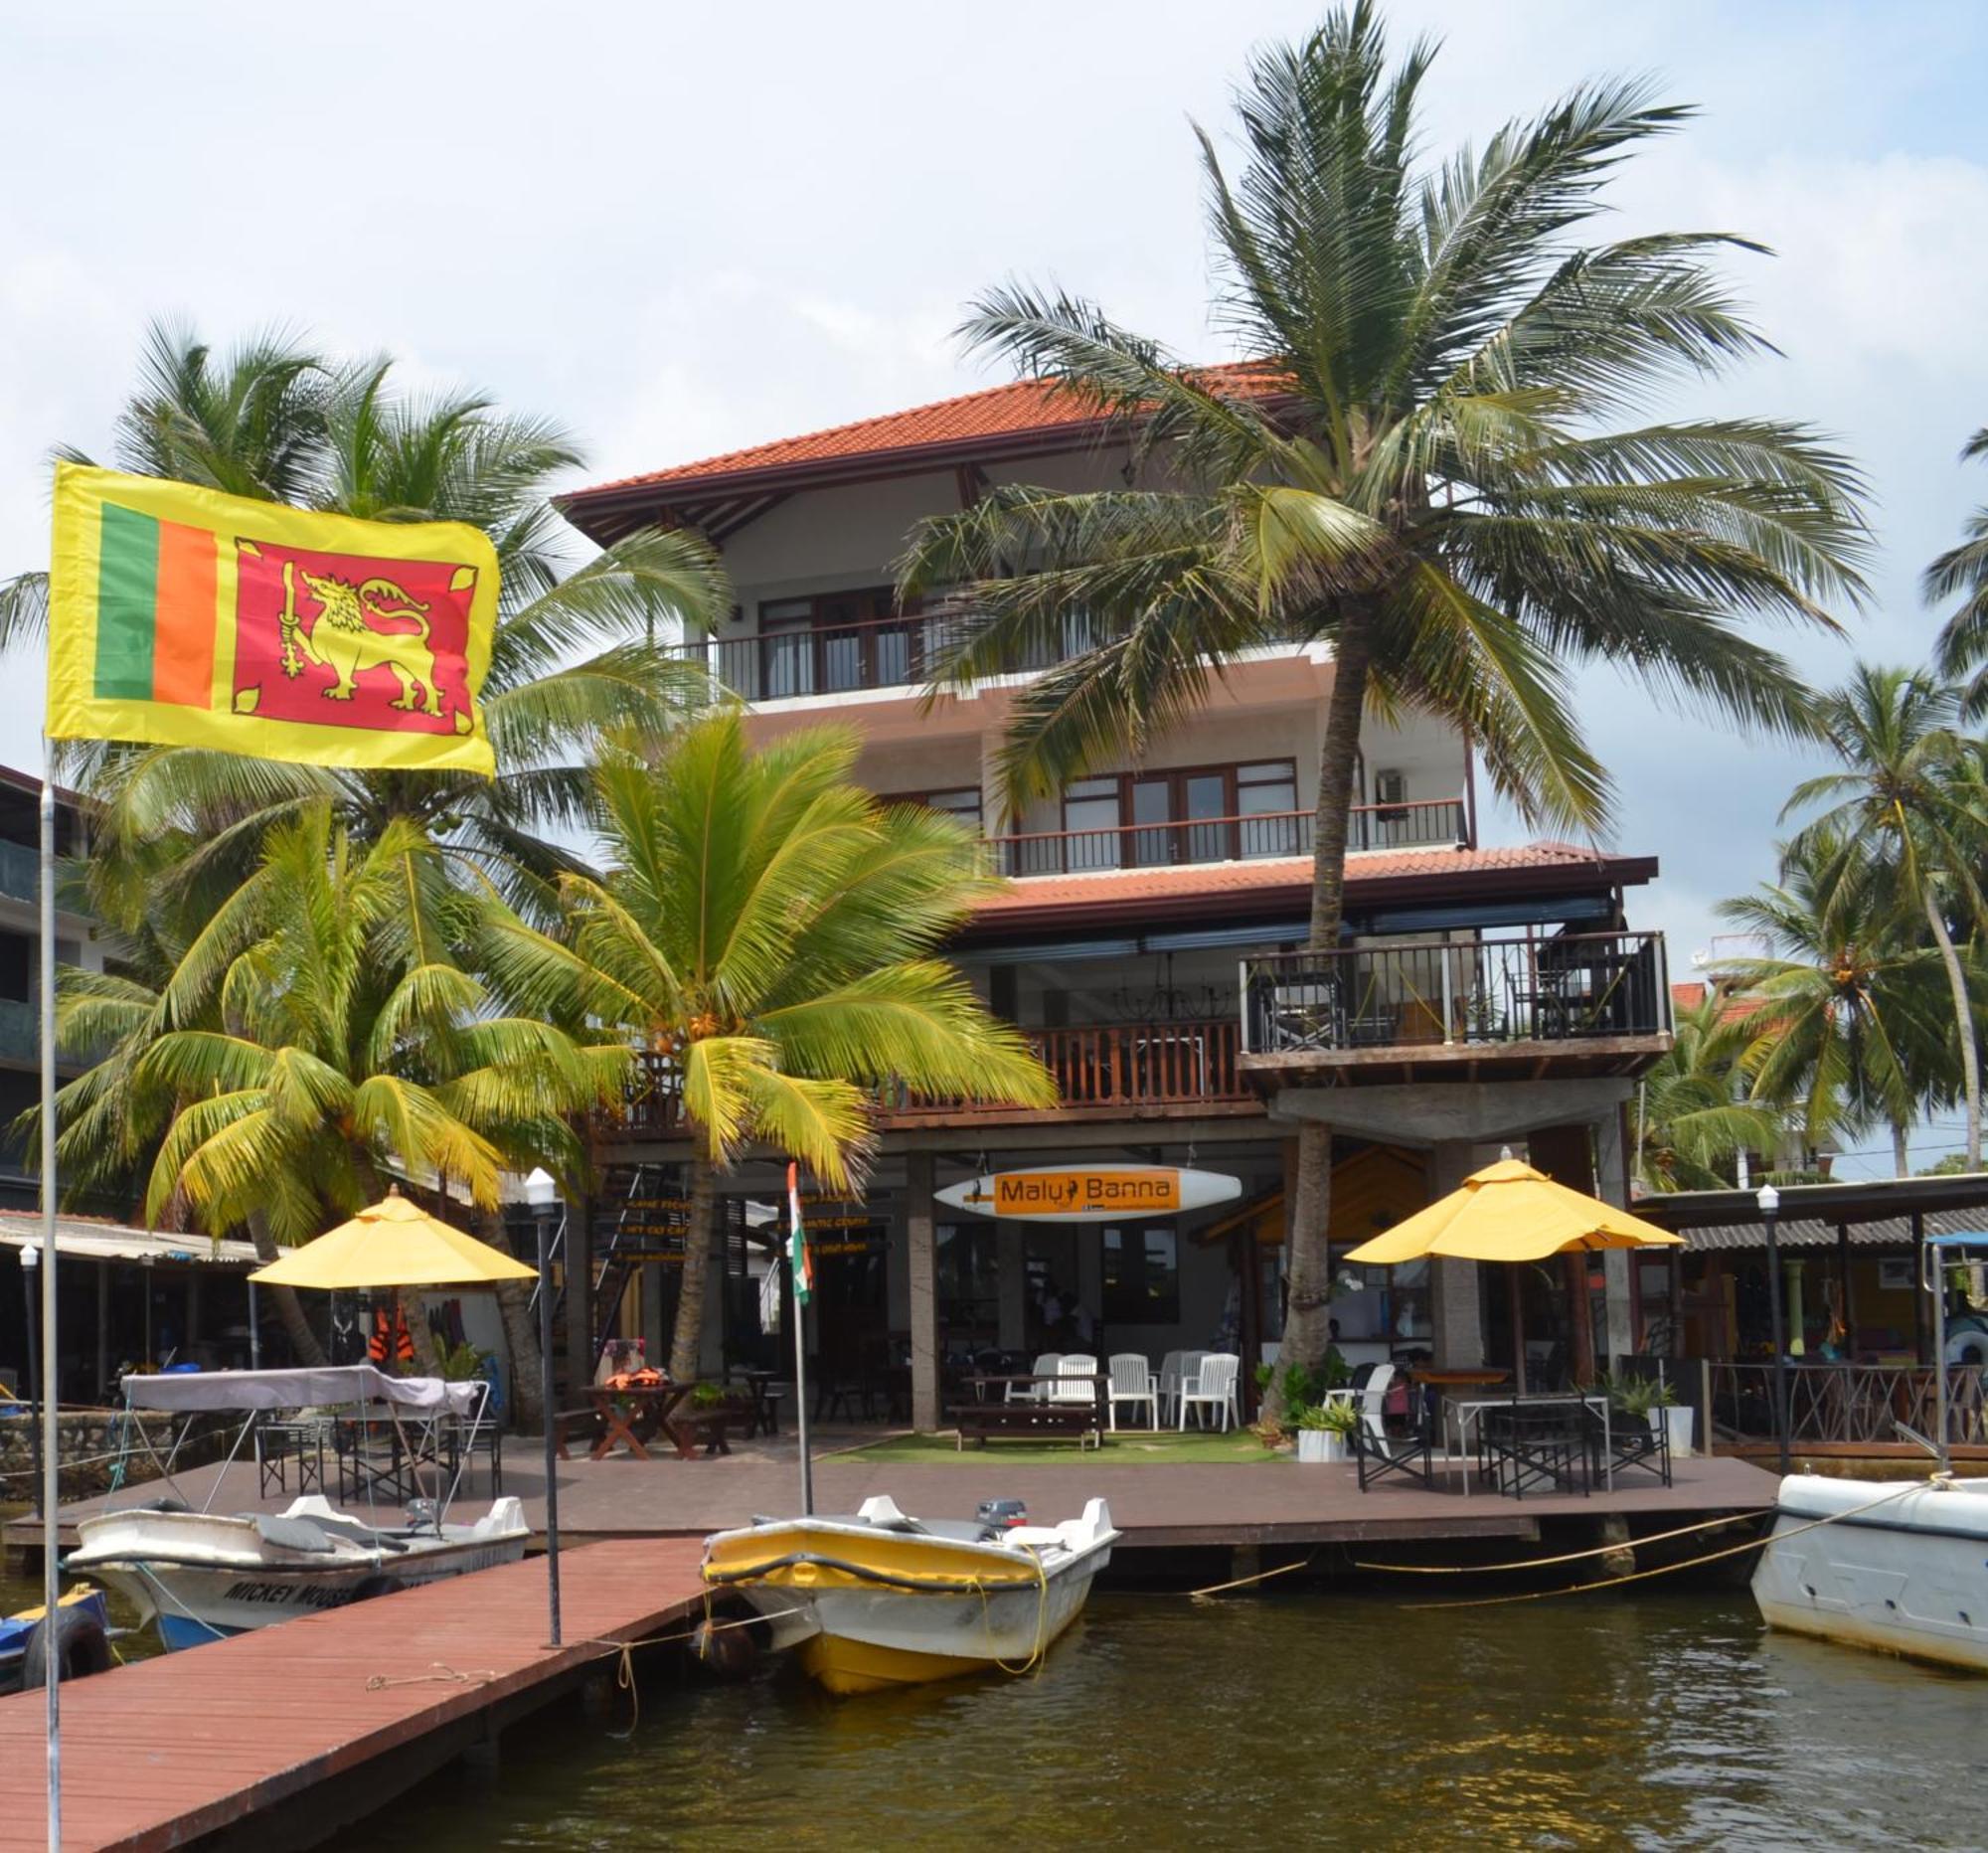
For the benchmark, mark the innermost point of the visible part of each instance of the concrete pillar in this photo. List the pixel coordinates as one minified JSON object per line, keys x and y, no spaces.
{"x":922,"y":1271}
{"x":1011,"y":1272}
{"x":1454,"y":1292}
{"x":102,"y":1385}
{"x":710,"y":1341}
{"x":1611,"y":1182}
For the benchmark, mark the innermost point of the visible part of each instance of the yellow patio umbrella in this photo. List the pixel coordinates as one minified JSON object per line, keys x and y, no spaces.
{"x":1508,"y":1212}
{"x":394,"y":1242}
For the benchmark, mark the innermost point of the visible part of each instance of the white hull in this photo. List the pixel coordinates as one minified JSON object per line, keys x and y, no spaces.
{"x":1908,"y":1576}
{"x":202,"y":1577}
{"x":881,"y":1600}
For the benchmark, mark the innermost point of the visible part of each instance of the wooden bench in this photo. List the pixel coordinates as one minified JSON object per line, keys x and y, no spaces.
{"x":1079,"y":1421}
{"x":704,"y":1428}
{"x":570,"y":1423}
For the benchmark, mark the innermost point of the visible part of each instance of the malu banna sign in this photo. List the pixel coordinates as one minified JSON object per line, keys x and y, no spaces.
{"x":1062,"y":1194}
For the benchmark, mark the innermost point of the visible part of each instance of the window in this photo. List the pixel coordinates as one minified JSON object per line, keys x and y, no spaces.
{"x":1207,"y":813}
{"x":963,"y":803}
{"x":968,"y":1290}
{"x":1141,"y":1275}
{"x":828,"y":642}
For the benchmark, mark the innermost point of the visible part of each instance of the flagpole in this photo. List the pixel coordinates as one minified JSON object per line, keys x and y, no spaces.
{"x":800,"y":1297}
{"x":51,"y":1368}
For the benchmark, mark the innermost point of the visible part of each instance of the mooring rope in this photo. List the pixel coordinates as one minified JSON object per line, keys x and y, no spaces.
{"x":1567,"y":1556}
{"x":1262,"y":1576}
{"x":1691,"y":1563}
{"x":440,"y":1673}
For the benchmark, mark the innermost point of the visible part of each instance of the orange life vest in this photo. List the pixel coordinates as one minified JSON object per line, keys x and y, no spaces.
{"x":391,"y":1336}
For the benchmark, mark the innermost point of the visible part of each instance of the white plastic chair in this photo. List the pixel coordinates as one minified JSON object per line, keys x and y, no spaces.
{"x":1132,"y":1382}
{"x":1048,"y":1364}
{"x":1169,"y":1382}
{"x":1074,"y":1384}
{"x":1213,"y":1387}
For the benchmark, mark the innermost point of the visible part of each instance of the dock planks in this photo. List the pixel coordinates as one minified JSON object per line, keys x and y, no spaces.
{"x":163,"y":1752}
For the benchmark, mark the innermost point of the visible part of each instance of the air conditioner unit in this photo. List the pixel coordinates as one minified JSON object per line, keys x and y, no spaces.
{"x":1391,"y":787}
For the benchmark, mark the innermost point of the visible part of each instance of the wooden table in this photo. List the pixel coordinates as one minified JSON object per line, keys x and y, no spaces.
{"x":636,"y":1415}
{"x":1458,"y":1380}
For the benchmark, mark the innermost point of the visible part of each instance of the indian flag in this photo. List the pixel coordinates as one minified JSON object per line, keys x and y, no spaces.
{"x":187,"y":618}
{"x":799,"y":1261}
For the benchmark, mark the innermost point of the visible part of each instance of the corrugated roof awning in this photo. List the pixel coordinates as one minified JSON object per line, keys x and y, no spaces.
{"x":1887,"y":1232}
{"x":83,"y":1239}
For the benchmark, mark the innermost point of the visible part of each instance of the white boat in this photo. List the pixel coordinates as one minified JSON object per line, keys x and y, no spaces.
{"x":1902,"y":1567}
{"x":202,"y":1575}
{"x":882,"y":1600}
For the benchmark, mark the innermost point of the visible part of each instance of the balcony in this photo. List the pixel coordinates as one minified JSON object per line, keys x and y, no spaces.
{"x":1532,"y":1005}
{"x":1440,"y":823}
{"x":1109,"y":1071}
{"x":20,"y":871}
{"x":20,"y":1031}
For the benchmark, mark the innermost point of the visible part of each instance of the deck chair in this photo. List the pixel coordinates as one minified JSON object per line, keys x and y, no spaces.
{"x":1633,"y":1443}
{"x":1377,"y":1454}
{"x":1545,"y":1450}
{"x":1213,"y":1387}
{"x":1048,"y":1365}
{"x":1132,"y":1382}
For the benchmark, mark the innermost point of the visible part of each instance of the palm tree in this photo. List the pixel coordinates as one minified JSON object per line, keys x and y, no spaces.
{"x":321,"y":1034}
{"x":1910,"y":796}
{"x":579,"y":650}
{"x":1429,"y":457}
{"x":1961,"y":650}
{"x":1689,"y":1120}
{"x":1844,"y":1018}
{"x":765,"y":930}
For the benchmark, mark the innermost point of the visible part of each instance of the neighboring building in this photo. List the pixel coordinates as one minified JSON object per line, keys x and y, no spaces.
{"x":1148,"y":943}
{"x":76,"y":944}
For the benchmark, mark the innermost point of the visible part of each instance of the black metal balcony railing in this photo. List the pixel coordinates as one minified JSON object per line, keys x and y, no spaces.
{"x":1561,"y":987}
{"x":875,"y":653}
{"x":1426,"y":823}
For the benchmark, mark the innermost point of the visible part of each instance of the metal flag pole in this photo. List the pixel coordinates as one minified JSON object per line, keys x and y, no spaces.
{"x":796,"y":1279}
{"x":51,"y":1370}
{"x":541,"y":1192}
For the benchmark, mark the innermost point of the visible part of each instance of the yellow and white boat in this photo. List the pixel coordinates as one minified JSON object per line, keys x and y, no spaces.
{"x":882,"y":1600}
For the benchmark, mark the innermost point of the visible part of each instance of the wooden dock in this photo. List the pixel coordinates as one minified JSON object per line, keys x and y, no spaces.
{"x":320,"y":1722}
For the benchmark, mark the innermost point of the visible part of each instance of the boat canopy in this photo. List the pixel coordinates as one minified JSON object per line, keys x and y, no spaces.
{"x":1959,"y":1238}
{"x":330,"y":1383}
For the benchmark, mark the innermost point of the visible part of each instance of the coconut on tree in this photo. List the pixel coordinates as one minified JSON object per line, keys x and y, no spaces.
{"x":1439,"y":453}
{"x":766,"y":933}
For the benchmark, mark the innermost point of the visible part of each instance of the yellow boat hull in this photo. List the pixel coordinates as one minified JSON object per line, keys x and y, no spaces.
{"x":845,"y":1666}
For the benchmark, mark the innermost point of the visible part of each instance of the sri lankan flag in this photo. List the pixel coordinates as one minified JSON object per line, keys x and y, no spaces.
{"x":800,"y":1262}
{"x":188,"y":617}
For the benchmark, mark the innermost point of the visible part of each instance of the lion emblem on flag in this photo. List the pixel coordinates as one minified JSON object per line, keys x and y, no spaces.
{"x":346,"y":638}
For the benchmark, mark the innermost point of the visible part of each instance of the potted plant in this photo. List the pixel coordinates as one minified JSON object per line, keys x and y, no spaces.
{"x":1325,"y":1433}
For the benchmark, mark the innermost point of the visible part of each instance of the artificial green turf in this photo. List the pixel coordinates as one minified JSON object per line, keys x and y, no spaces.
{"x":1127,"y":1447}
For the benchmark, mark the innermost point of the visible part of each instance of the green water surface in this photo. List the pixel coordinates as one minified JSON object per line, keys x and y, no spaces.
{"x":1289,"y":1721}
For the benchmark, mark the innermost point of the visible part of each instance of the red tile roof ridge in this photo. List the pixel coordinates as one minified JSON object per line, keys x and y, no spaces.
{"x":1031,"y":398}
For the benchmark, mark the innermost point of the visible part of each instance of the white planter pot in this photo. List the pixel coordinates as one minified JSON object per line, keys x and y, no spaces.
{"x":1677,"y":1417}
{"x":1320,"y":1447}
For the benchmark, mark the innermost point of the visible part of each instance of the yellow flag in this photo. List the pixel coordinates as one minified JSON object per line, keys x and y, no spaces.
{"x":189,"y":617}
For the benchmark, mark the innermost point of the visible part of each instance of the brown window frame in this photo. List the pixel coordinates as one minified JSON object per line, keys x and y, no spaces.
{"x":1176,"y":778}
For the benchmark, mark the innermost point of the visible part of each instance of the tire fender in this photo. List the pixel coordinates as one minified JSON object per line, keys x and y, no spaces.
{"x":81,"y":1645}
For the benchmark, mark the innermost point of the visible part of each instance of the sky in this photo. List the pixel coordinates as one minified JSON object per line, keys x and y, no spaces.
{"x":679,"y":230}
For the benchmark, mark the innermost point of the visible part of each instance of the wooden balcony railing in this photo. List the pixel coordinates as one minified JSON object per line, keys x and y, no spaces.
{"x":1258,"y":835}
{"x":1111,"y":1065}
{"x":1556,"y":987}
{"x":1858,"y":1404}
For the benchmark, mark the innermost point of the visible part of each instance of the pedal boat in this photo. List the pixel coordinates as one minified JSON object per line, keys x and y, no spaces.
{"x":882,"y":1600}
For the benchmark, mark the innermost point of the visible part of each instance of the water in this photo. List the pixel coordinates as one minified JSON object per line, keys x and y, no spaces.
{"x":1672,"y":1721}
{"x":22,"y":1588}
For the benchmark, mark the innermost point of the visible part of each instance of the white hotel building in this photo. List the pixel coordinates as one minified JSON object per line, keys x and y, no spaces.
{"x":1484,"y":997}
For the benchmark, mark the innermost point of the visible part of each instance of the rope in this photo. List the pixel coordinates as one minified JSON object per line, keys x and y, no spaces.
{"x":1216,"y":1588}
{"x":1568,"y":1557}
{"x":440,"y":1674}
{"x":1665,"y":1570}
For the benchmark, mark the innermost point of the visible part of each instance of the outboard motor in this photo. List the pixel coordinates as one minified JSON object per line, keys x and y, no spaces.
{"x":1002,"y":1514}
{"x":425,"y":1515}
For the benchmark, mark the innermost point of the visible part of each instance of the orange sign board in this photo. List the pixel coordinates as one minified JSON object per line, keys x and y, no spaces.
{"x":1052,"y":1193}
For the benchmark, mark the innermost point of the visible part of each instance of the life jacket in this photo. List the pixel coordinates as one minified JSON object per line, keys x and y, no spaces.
{"x":646,"y":1378}
{"x":389,"y":1336}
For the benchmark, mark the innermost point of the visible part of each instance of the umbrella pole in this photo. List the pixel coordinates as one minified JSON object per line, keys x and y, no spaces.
{"x":1517,"y":1299}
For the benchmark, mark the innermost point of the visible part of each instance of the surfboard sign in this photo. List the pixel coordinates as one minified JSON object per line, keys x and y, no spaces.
{"x":1089,"y":1194}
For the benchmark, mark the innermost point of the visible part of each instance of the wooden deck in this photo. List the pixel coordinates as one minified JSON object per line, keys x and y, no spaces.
{"x":1156,"y":1504}
{"x":168,"y":1751}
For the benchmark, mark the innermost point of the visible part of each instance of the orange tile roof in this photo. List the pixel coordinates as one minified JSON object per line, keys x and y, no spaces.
{"x":1226,"y":877}
{"x":972,"y":419}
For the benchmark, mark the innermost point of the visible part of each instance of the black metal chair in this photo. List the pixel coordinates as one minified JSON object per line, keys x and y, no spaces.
{"x":1632,"y":1443}
{"x":1377,"y":1454}
{"x":1524,"y":1449}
